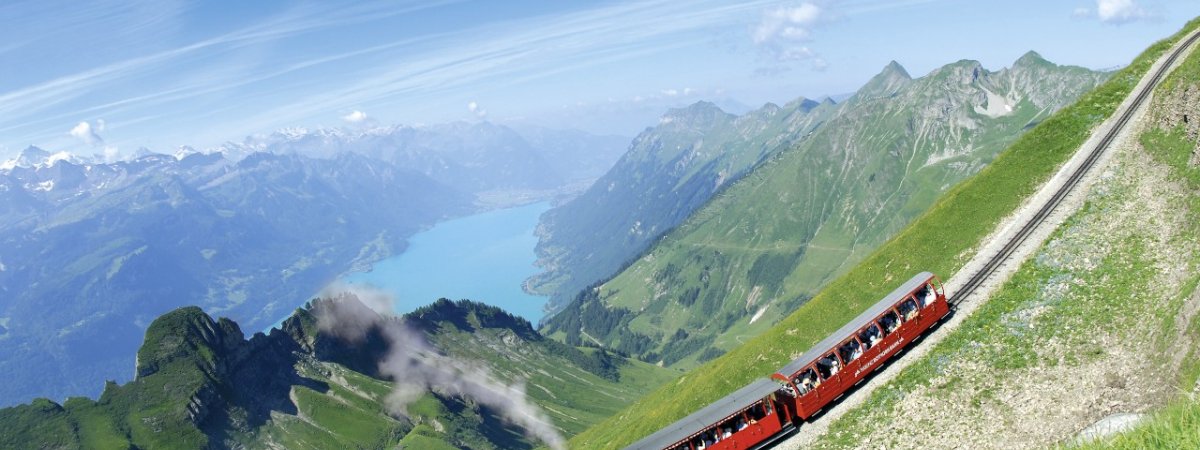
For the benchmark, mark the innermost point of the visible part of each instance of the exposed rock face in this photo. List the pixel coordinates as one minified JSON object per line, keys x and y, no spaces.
{"x":1182,"y":108}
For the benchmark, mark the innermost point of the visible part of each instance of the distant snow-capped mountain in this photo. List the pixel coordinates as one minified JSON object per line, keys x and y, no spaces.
{"x":33,"y":157}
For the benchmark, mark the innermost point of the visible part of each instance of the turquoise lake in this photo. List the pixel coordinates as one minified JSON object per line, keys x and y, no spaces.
{"x":484,"y":257}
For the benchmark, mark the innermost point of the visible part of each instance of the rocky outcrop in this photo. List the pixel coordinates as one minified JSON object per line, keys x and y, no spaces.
{"x":1181,"y":108}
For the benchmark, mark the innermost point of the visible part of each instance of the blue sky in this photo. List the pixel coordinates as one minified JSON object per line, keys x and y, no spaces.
{"x":117,"y":75}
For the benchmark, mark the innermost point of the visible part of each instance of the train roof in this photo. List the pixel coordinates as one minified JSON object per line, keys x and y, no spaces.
{"x":826,"y":345}
{"x":710,"y":415}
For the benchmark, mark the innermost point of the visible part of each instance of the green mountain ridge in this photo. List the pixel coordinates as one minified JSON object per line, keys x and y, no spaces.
{"x":668,"y":172}
{"x":201,"y":384}
{"x":766,"y":244}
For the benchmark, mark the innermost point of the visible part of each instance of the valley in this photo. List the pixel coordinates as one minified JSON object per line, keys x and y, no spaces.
{"x":248,"y":230}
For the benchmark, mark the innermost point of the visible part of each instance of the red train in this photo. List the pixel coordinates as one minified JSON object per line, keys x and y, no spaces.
{"x":769,"y":409}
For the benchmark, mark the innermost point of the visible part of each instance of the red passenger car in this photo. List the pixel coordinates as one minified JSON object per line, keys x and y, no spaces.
{"x":757,"y":415}
{"x":863,"y":345}
{"x":749,"y":418}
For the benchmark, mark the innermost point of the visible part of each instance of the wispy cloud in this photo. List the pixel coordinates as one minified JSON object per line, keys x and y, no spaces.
{"x":355,"y":117}
{"x":528,"y":50}
{"x":24,"y":102}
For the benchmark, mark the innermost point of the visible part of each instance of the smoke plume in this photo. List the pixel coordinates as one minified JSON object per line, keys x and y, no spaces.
{"x":416,"y":367}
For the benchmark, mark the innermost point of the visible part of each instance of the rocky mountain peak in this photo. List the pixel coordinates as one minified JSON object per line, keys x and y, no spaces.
{"x":887,"y":82}
{"x":185,"y":334}
{"x":1030,"y":59}
{"x":803,"y":104}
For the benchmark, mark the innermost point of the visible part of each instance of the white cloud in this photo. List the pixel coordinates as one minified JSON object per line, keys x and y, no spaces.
{"x":86,"y":133}
{"x":1115,"y":12}
{"x":111,"y":154}
{"x":670,"y":92}
{"x":792,"y":24}
{"x":783,"y":32}
{"x":475,"y":109}
{"x":355,"y":117}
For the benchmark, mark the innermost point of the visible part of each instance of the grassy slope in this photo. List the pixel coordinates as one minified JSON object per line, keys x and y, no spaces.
{"x":1177,"y":425}
{"x":941,"y":241}
{"x":572,"y":397}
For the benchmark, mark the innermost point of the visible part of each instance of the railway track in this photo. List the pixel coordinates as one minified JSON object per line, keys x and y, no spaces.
{"x":980,"y":281}
{"x":1069,"y":185}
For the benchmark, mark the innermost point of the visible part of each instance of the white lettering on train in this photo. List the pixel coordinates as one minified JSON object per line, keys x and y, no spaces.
{"x":880,"y":356}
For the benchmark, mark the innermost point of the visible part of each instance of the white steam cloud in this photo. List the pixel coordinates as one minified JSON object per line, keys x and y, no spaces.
{"x":416,"y":367}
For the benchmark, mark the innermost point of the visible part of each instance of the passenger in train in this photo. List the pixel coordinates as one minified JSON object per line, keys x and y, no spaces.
{"x":874,"y":335}
{"x":741,"y":424}
{"x":829,"y":364}
{"x":890,"y":322}
{"x":801,"y":386}
{"x":728,"y":432}
{"x":870,"y":336}
{"x":927,"y":296}
{"x":908,"y":309}
{"x":787,"y":390}
{"x":808,"y":379}
{"x":851,"y":350}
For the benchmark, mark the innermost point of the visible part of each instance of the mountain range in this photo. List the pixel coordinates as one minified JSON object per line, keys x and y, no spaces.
{"x":92,"y":252}
{"x":818,"y":190}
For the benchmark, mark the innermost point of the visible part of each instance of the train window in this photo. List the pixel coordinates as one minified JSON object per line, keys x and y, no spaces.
{"x":850,"y":350}
{"x":926,"y":295}
{"x":807,"y":380}
{"x":727,"y":428}
{"x":908,"y":309}
{"x":828,"y":366}
{"x":889,"y":321}
{"x":870,"y":336}
{"x":755,"y":413}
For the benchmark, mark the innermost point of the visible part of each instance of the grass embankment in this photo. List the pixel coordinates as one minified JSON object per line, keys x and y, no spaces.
{"x":1177,"y":425}
{"x":940,"y":241}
